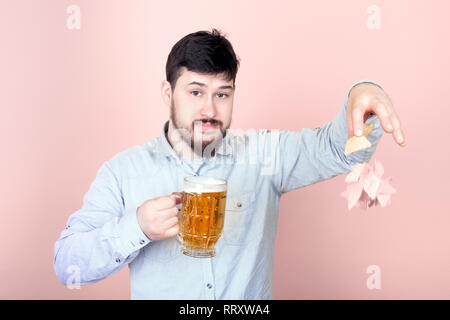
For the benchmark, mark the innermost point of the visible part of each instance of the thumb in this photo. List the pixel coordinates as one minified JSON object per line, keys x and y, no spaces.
{"x":350,"y":131}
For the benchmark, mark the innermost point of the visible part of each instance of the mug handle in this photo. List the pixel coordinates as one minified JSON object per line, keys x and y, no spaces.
{"x":179,"y":206}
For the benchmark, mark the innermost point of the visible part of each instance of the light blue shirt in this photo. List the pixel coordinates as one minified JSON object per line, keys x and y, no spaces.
{"x":260,"y":166}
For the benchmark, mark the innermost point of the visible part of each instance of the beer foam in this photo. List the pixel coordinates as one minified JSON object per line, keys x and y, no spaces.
{"x":202,"y":184}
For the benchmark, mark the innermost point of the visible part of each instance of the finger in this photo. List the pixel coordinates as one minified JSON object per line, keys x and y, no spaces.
{"x":170,"y":223}
{"x":398,"y":134}
{"x":168,"y":213}
{"x":164,"y":202}
{"x":384,"y":116}
{"x":171,"y":232}
{"x":178,"y":196}
{"x":357,"y":121}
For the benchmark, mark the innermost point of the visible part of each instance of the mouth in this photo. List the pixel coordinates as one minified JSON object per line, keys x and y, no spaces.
{"x":208,"y":125}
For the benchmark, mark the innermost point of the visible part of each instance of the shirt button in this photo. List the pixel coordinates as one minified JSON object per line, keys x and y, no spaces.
{"x":209,"y":285}
{"x":142,"y":241}
{"x":117,"y":260}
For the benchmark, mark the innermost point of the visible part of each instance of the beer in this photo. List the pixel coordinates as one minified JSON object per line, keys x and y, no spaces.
{"x":202,"y":215}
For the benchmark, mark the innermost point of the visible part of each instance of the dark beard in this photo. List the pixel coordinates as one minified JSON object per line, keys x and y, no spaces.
{"x":208,"y":146}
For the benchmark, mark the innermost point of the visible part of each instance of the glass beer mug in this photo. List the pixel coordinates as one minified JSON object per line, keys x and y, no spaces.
{"x":202,"y":215}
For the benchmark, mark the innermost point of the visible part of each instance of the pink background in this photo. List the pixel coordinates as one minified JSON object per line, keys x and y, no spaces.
{"x":71,"y":99}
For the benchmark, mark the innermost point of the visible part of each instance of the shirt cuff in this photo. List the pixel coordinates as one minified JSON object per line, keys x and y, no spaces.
{"x":131,"y":236}
{"x":340,"y":133}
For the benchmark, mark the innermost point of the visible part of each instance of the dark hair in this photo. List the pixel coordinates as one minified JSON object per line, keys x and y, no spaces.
{"x":202,"y":52}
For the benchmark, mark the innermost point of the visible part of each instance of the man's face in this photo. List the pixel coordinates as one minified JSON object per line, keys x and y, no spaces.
{"x":202,"y":105}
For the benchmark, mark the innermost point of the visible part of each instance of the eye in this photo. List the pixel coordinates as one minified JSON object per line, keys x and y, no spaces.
{"x":224,"y":95}
{"x":195,"y":93}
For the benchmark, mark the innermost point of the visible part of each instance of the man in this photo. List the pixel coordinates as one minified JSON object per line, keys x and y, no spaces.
{"x":129,"y":214}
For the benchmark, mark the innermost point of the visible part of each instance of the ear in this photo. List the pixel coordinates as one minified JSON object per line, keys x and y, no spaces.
{"x":166,"y":92}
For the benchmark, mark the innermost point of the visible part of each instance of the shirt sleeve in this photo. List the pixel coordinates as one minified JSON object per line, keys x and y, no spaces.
{"x":313,"y":155}
{"x":101,"y":237}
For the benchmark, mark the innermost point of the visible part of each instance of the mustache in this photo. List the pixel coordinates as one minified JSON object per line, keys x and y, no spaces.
{"x":211,"y":121}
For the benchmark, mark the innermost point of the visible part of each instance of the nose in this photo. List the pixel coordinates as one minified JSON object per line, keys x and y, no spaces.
{"x":208,"y":109}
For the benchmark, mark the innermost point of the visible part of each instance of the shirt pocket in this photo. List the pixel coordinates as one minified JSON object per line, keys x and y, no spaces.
{"x":238,"y":228}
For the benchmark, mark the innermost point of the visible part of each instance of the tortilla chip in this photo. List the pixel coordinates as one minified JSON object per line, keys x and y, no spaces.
{"x":355,"y":143}
{"x":368,"y":129}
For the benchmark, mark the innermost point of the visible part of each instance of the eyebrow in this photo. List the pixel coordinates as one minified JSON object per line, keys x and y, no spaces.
{"x":204,"y":85}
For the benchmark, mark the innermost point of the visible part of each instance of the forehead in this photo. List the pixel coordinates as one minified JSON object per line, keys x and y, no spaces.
{"x":211,"y":80}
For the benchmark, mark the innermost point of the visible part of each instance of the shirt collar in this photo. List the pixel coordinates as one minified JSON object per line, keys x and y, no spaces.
{"x":164,"y":147}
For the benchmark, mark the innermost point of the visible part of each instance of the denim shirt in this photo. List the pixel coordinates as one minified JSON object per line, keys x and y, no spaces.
{"x":260,"y":166}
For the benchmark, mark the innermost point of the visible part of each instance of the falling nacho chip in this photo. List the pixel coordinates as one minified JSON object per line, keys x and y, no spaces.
{"x":359,"y":143}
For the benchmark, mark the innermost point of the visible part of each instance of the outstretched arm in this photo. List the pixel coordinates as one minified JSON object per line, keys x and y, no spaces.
{"x":312,"y":155}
